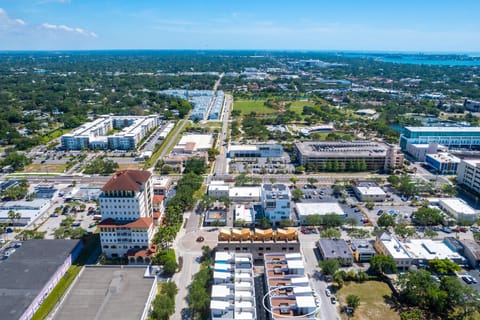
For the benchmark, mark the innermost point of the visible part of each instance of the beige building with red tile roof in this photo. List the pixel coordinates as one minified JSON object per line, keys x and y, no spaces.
{"x":126,"y":205}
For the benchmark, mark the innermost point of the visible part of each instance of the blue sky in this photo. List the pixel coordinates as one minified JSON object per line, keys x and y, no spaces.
{"x":402,"y":25}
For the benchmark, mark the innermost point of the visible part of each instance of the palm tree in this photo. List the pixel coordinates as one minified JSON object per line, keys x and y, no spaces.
{"x":294,"y":180}
{"x":14,"y":216}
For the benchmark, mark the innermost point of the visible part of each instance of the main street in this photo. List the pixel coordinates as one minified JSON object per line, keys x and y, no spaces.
{"x":222,"y":140}
{"x":186,"y":246}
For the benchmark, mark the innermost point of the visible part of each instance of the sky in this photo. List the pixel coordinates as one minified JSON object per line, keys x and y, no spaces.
{"x":359,"y":25}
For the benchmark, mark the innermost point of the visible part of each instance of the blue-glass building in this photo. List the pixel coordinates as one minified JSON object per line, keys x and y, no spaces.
{"x":457,"y":137}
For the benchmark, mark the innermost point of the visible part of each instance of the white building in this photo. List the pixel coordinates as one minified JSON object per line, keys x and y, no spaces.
{"x":420,"y":150}
{"x":244,"y":213}
{"x":276,"y":202}
{"x":458,"y":209}
{"x":415,"y":251}
{"x":218,"y":189}
{"x":126,"y":205}
{"x":468,"y":174}
{"x":94,"y":135}
{"x":29,"y":211}
{"x":245,"y":194}
{"x":255,"y":151}
{"x":305,"y":209}
{"x":387,"y":244}
{"x":191,"y":143}
{"x":369,"y":191}
{"x":233,"y":289}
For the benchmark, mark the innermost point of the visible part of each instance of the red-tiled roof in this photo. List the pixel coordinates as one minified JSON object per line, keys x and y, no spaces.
{"x":140,"y":253}
{"x":158,"y":198}
{"x":140,"y":223}
{"x":127,"y":180}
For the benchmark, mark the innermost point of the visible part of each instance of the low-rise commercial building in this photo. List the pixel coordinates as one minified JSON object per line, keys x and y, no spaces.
{"x":255,"y":151}
{"x":341,"y":155}
{"x":218,"y":189}
{"x":305,"y":209}
{"x":31,"y":272}
{"x":420,"y":150}
{"x":362,"y":250}
{"x":29,"y":211}
{"x":244,"y":214}
{"x":245,"y":194}
{"x":443,"y":163}
{"x":109,"y":293}
{"x":233,"y":289}
{"x":471,"y":251}
{"x":458,"y":209}
{"x":191,"y":143}
{"x":161,"y":185}
{"x":415,"y":251}
{"x":335,"y":249}
{"x":369,"y":191}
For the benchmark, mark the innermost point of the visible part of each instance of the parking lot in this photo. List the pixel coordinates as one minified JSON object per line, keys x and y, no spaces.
{"x":263,"y":166}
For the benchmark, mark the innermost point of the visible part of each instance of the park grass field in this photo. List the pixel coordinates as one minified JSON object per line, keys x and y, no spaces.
{"x":373,"y":295}
{"x":297,"y":105}
{"x":247,"y":106}
{"x":43,"y":167}
{"x":131,"y":165}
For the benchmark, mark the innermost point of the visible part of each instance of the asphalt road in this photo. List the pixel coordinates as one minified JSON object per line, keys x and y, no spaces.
{"x":327,"y":311}
{"x":222,"y":145}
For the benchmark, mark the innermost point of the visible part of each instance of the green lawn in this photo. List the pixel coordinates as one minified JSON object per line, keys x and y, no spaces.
{"x":298,"y":105}
{"x":43,"y":167}
{"x":247,"y":106}
{"x":373,"y":300}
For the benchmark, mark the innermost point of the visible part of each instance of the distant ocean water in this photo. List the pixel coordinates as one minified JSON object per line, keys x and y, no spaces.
{"x":431,"y":62}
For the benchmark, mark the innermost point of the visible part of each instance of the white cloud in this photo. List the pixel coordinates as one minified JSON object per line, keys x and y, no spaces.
{"x":6,"y":21}
{"x":62,"y":27}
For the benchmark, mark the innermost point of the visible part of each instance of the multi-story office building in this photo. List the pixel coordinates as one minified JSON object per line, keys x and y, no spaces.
{"x":233,"y":289}
{"x":345,"y":156}
{"x":443,"y":163}
{"x":126,"y":205}
{"x":457,"y":137}
{"x":95,"y":134}
{"x":276,"y":202}
{"x":468,"y":174}
{"x":289,"y":294}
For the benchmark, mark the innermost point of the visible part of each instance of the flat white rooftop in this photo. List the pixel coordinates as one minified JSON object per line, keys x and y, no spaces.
{"x":443,"y":129}
{"x":295,"y":264}
{"x":444,"y":157}
{"x":220,"y":291}
{"x":222,"y":256}
{"x":306,"y":302}
{"x":321,"y":208}
{"x":245,"y":192}
{"x":371,"y":191}
{"x":202,"y":141}
{"x":472,"y":162}
{"x":430,"y":249}
{"x":299,"y":280}
{"x":394,"y":247}
{"x":457,"y":205}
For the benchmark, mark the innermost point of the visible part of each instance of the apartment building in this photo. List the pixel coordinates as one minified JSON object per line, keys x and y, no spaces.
{"x":126,"y":205}
{"x":276,"y":202}
{"x":96,"y":134}
{"x":289,"y":293}
{"x":233,"y":289}
{"x":468,"y":174}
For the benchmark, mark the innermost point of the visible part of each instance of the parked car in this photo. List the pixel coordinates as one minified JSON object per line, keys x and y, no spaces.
{"x":54,"y":215}
{"x":333,"y":300}
{"x":467,"y":279}
{"x":327,"y":292}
